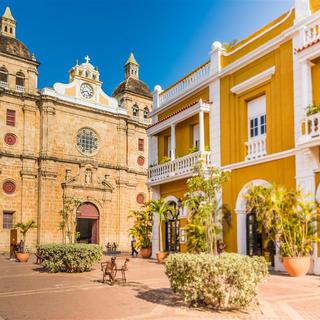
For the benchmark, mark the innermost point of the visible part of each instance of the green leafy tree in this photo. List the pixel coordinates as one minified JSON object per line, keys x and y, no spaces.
{"x":206,"y":213}
{"x":142,"y":227}
{"x":24,"y":228}
{"x":286,"y":217}
{"x":68,"y":221}
{"x":162,"y":209}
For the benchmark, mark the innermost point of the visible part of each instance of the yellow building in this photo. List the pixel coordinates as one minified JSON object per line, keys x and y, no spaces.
{"x":243,"y":110}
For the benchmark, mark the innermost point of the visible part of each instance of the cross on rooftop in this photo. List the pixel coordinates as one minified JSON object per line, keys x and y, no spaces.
{"x":87,"y":59}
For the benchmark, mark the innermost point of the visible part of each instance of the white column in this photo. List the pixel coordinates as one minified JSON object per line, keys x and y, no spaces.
{"x":302,"y":9}
{"x":156,"y":97}
{"x":306,"y":83}
{"x":152,"y":150}
{"x":173,"y":141}
{"x":155,"y":226}
{"x":214,"y":124}
{"x":201,"y":130}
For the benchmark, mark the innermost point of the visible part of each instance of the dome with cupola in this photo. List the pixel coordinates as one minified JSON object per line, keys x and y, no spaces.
{"x":131,"y":83}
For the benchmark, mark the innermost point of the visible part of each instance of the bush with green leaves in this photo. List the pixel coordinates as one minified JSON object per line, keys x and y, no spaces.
{"x":224,"y":281}
{"x":69,"y":257}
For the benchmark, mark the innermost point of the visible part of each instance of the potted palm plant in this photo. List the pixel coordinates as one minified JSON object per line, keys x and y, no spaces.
{"x":142,"y":231}
{"x":289,"y":220}
{"x":162,"y":209}
{"x":21,"y":254}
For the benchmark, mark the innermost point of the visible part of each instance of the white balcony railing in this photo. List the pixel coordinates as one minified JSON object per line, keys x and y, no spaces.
{"x":4,"y":84}
{"x":310,"y":128}
{"x":190,"y":81}
{"x":19,"y":88}
{"x":256,"y":148}
{"x":310,"y":33}
{"x":178,"y":167}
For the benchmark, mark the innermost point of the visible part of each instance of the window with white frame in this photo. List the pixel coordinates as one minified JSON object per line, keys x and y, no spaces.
{"x":257,"y":119}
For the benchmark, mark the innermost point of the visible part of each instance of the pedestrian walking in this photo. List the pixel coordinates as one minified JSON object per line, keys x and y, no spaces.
{"x":133,"y":246}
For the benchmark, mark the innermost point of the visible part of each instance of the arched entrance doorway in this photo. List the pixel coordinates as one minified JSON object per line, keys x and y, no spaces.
{"x":172,"y":227}
{"x":88,"y":223}
{"x":249,"y":240}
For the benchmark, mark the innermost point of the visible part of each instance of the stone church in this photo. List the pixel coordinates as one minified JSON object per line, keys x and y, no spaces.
{"x":71,"y":141}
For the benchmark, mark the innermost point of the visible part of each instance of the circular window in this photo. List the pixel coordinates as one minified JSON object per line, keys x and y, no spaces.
{"x":10,"y":139}
{"x":140,"y":198}
{"x":140,"y":161}
{"x":9,"y":187}
{"x":87,"y":141}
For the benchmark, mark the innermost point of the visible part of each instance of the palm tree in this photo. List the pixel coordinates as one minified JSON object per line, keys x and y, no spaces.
{"x":24,"y":228}
{"x":162,"y":209}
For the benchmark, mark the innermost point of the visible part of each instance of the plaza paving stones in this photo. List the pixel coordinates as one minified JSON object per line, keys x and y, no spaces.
{"x":27,"y":292}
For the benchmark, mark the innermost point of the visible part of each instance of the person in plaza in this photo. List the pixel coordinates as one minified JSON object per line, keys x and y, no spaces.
{"x":133,"y":246}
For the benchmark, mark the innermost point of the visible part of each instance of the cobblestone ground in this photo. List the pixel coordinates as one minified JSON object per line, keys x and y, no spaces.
{"x":26,"y":292}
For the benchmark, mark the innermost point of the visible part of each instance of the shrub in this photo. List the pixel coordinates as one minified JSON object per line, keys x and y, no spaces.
{"x":69,"y":257}
{"x":225,"y":281}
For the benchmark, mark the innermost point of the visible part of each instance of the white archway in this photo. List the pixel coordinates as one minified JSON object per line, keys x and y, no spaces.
{"x":240,"y":210}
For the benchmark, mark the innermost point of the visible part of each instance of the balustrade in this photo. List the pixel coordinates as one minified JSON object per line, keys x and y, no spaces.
{"x":178,"y":167}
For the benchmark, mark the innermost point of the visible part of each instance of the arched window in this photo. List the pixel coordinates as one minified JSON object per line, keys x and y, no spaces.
{"x":135,"y":110}
{"x":20,"y":81}
{"x":5,"y":28}
{"x":3,"y":77}
{"x":11,"y":30}
{"x":145,"y":113}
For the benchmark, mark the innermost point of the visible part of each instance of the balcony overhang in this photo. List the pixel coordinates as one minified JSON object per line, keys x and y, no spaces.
{"x":177,"y":117}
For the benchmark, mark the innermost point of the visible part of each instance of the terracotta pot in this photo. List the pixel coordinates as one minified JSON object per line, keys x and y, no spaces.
{"x":161,"y":256}
{"x":145,"y":253}
{"x":297,"y":266}
{"x":22,"y":256}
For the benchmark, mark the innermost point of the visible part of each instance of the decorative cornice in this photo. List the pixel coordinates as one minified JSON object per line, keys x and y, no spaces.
{"x":28,"y":172}
{"x":48,"y":174}
{"x":254,"y":81}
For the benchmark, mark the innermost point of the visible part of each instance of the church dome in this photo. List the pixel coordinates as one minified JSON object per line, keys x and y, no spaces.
{"x":14,"y":47}
{"x":133,"y":85}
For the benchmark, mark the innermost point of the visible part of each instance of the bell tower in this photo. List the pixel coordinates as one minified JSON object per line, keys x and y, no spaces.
{"x":8,"y":24}
{"x":131,"y":68}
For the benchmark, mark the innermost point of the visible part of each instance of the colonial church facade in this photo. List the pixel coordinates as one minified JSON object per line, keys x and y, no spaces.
{"x":71,"y":141}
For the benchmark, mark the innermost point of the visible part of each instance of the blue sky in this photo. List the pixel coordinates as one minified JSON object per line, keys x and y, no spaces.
{"x":168,"y":37}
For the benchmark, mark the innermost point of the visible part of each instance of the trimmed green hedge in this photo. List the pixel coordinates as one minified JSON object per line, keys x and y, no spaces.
{"x":69,"y":257}
{"x":225,"y":281}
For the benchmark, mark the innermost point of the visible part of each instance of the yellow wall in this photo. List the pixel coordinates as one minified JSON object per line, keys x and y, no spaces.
{"x":279,"y":109}
{"x":314,"y":5}
{"x":281,"y":172}
{"x":175,"y":188}
{"x":315,"y":71}
{"x":184,"y":137}
{"x":226,"y":60}
{"x":203,"y":94}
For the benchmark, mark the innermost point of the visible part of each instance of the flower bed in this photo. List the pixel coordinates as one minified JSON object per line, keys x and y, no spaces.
{"x":69,"y":257}
{"x":224,"y":281}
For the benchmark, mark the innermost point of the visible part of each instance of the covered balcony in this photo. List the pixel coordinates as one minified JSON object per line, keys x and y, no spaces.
{"x":170,"y":134}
